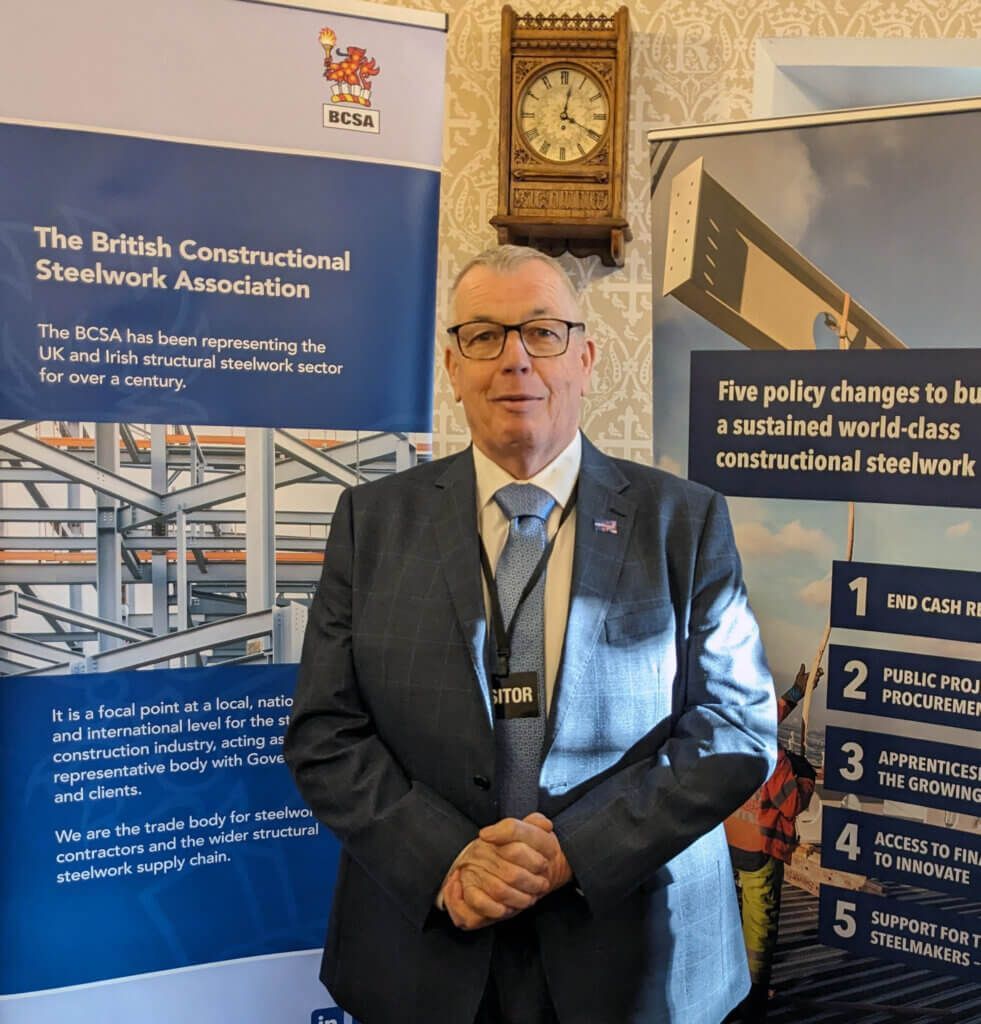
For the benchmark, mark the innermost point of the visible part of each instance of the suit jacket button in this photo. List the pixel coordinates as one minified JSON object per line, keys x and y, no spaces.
{"x":481,"y":782}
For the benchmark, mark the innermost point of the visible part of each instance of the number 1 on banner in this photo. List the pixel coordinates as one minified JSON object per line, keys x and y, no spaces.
{"x":860,"y":585}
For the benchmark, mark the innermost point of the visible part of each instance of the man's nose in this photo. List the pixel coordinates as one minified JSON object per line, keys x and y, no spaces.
{"x":514,"y":355}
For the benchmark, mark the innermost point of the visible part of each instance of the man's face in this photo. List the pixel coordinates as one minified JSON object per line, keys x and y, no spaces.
{"x":522,"y":411}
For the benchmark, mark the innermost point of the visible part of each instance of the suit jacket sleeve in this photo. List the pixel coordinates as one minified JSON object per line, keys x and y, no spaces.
{"x":721,"y":747}
{"x":400,"y":830}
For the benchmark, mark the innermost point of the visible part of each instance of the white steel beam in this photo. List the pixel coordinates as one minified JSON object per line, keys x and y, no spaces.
{"x":260,"y":518}
{"x":71,"y":469}
{"x":13,"y":603}
{"x":160,"y":600}
{"x":173,"y":645}
{"x":107,"y":555}
{"x":39,"y":652}
{"x":219,"y":574}
{"x":323,"y":465}
{"x":731,"y":268}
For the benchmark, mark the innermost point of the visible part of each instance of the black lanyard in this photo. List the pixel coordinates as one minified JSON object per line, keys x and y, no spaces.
{"x":502,"y":636}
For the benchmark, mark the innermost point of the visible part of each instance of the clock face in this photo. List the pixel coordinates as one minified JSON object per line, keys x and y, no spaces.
{"x":563,"y":113}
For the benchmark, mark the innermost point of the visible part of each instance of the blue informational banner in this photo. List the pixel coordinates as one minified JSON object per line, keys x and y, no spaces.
{"x":913,"y":687}
{"x":906,"y":599}
{"x":163,"y":302}
{"x":908,"y":931}
{"x":896,"y":426}
{"x":217,"y":311}
{"x":896,"y":768}
{"x":898,"y":850}
{"x":158,"y":818}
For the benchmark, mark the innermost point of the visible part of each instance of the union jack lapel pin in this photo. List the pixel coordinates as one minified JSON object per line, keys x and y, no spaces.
{"x":605,"y":525}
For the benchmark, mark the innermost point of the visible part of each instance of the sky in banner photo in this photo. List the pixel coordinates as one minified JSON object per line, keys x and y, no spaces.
{"x":888,"y":210}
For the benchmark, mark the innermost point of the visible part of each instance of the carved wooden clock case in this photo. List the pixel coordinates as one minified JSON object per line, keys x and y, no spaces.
{"x":563,"y":143}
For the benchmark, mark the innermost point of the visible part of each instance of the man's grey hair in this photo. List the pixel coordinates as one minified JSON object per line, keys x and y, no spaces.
{"x":506,"y":259}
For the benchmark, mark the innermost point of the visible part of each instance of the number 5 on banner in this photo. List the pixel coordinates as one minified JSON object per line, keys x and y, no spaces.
{"x":844,"y":925}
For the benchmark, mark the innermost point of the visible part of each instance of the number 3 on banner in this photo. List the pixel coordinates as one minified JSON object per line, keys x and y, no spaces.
{"x":854,"y":752}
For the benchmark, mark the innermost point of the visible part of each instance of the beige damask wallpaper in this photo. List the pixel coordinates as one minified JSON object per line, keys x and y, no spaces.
{"x":691,"y":62}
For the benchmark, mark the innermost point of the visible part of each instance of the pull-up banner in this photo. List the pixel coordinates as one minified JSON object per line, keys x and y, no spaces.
{"x":817,"y":360}
{"x":218,"y":227}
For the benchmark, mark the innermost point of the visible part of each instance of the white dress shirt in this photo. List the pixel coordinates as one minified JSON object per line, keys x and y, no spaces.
{"x":558,"y":478}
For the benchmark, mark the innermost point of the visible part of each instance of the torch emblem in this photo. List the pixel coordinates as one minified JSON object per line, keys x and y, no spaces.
{"x":349,"y":73}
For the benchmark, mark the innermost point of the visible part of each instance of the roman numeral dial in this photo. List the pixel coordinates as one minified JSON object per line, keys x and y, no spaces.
{"x":563,"y":113}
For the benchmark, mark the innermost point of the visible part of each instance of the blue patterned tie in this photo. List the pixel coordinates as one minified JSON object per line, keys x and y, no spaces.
{"x":519,"y":740}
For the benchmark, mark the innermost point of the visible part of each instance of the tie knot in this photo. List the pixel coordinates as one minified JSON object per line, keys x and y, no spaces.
{"x":524,"y":500}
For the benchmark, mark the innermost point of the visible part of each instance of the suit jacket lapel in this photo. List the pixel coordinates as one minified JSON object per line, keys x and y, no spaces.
{"x":598,"y":558}
{"x":456,"y":533}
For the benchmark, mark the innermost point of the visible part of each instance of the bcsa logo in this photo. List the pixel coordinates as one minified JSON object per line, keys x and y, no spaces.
{"x":353,"y":120}
{"x":350,"y":75}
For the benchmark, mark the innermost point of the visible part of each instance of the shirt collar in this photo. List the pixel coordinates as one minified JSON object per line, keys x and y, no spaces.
{"x":558,"y":477}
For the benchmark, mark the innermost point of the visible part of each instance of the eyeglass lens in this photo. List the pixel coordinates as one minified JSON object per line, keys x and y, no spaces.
{"x":540,"y":337}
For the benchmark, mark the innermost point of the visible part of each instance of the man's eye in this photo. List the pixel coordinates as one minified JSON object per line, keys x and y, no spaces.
{"x":543,"y":334}
{"x":483,"y":338}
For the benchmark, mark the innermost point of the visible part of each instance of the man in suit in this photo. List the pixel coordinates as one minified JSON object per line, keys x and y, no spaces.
{"x":531,"y":820}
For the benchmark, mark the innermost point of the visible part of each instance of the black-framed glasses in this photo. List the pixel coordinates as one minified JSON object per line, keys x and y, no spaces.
{"x":542,"y":337}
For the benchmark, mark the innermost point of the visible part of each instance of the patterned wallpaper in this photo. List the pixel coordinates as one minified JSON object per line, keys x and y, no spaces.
{"x":691,"y":62}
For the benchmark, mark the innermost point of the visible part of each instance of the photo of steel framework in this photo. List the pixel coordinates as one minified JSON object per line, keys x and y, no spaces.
{"x":133,"y":545}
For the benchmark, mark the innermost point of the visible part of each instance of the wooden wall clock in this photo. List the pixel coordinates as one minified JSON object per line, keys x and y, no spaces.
{"x":563,"y":145}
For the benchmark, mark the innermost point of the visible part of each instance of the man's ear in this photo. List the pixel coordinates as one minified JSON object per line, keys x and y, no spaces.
{"x":450,"y":364}
{"x":588,"y":358}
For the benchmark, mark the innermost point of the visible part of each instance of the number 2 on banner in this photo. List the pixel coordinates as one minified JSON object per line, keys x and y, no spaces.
{"x":860,"y":586}
{"x":853,"y":689}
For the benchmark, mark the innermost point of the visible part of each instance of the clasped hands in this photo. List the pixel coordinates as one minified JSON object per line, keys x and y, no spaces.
{"x":506,"y":869}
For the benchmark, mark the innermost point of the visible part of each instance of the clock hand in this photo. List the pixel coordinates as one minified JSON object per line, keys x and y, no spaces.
{"x":565,"y":109}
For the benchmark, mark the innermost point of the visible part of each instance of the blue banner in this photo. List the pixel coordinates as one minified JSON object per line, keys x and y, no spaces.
{"x":907,"y":931}
{"x":154,"y":814}
{"x":138,"y":290}
{"x":913,"y":687}
{"x":906,"y":599}
{"x":895,"y":768}
{"x":892,"y":426}
{"x":217,"y":310}
{"x":894,"y":849}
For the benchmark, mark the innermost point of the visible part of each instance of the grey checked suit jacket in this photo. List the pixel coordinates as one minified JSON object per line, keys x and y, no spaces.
{"x":661,"y":724}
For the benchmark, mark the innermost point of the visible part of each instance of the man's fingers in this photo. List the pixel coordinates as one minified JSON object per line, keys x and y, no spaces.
{"x":513,"y":862}
{"x":461,"y":913}
{"x":518,"y":893}
{"x":510,"y":830}
{"x":539,"y":820}
{"x":476,"y":897}
{"x":513,"y":859}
